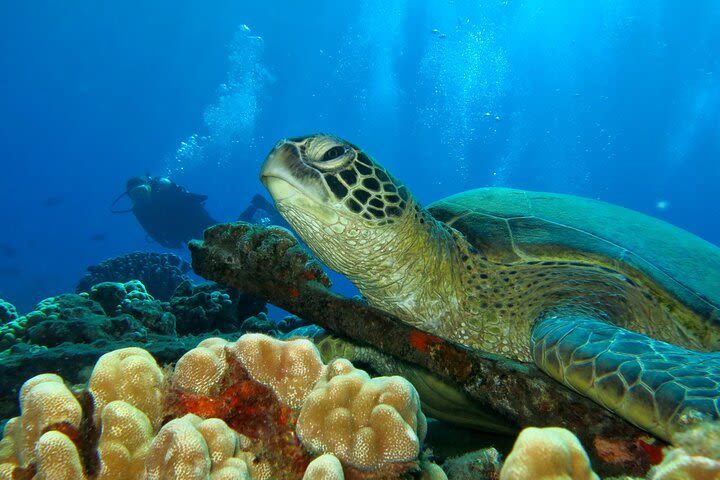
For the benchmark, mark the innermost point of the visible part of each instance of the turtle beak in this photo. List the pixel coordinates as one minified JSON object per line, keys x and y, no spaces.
{"x":276,"y":172}
{"x":286,"y":175}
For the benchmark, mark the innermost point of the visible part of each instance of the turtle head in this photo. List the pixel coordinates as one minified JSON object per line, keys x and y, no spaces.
{"x":332,"y":193}
{"x":332,"y":179}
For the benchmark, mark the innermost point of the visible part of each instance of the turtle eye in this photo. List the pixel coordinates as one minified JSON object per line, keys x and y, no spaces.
{"x":334,"y":153}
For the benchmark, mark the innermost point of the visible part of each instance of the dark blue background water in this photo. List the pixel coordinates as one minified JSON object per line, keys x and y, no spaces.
{"x":605,"y":99}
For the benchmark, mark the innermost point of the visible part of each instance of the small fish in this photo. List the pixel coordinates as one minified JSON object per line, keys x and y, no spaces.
{"x":99,"y":237}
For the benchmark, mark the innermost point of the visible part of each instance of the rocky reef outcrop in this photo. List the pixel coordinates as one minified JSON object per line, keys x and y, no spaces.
{"x":160,"y":273}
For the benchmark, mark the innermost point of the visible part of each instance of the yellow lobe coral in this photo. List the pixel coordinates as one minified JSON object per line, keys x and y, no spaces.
{"x":324,"y":467}
{"x":289,"y":368}
{"x":57,"y":458}
{"x":221,"y":440}
{"x":430,"y":471}
{"x":8,"y":445}
{"x":231,"y":469}
{"x":132,"y":375}
{"x":547,"y":454}
{"x":679,"y":465}
{"x":201,"y":369}
{"x":44,"y":401}
{"x":6,"y":471}
{"x":125,"y":437}
{"x":178,"y":451}
{"x":369,"y":424}
{"x":192,"y":448}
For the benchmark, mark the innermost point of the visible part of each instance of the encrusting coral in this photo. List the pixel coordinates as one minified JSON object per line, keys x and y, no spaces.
{"x":230,"y":410}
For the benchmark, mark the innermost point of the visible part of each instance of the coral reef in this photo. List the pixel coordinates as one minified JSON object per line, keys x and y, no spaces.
{"x":324,"y":467}
{"x":696,"y":455}
{"x":7,"y":312}
{"x":195,"y":449}
{"x":112,"y":295}
{"x":161,"y":273}
{"x":392,"y":426}
{"x":229,"y":410}
{"x":68,"y":318}
{"x":555,"y":453}
{"x":9,"y":326}
{"x":208,"y":306}
{"x":680,"y":465}
{"x":481,"y":464}
{"x":66,"y":334}
{"x":547,"y":454}
{"x":111,"y":311}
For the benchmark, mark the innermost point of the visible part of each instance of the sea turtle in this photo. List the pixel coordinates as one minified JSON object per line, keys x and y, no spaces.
{"x":619,"y":306}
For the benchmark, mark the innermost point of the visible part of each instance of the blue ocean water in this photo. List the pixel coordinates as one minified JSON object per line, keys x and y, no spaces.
{"x":613,"y":100}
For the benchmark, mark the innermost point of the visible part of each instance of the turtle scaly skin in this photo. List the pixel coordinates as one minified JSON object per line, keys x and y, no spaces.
{"x":626,"y":320}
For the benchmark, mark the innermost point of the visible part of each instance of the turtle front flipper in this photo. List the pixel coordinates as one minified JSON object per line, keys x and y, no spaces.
{"x":650,"y":383}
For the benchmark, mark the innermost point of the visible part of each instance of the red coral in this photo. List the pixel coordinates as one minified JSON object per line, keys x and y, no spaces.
{"x":654,"y":452}
{"x":423,"y":341}
{"x":252,"y":409}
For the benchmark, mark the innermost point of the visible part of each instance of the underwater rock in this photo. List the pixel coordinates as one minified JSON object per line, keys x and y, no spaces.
{"x":292,"y":322}
{"x":7,"y":312}
{"x":209,"y":306}
{"x":483,"y":464}
{"x":308,"y":331}
{"x":258,"y":324}
{"x":161,"y":273}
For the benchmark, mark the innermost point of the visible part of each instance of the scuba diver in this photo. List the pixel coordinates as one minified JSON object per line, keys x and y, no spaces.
{"x":263,"y":212}
{"x":168,"y":213}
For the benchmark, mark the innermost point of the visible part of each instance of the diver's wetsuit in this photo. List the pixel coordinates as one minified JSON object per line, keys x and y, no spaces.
{"x":171,"y":215}
{"x":263,"y":212}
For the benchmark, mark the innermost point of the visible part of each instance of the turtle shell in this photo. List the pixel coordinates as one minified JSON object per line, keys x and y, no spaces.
{"x":509,"y":225}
